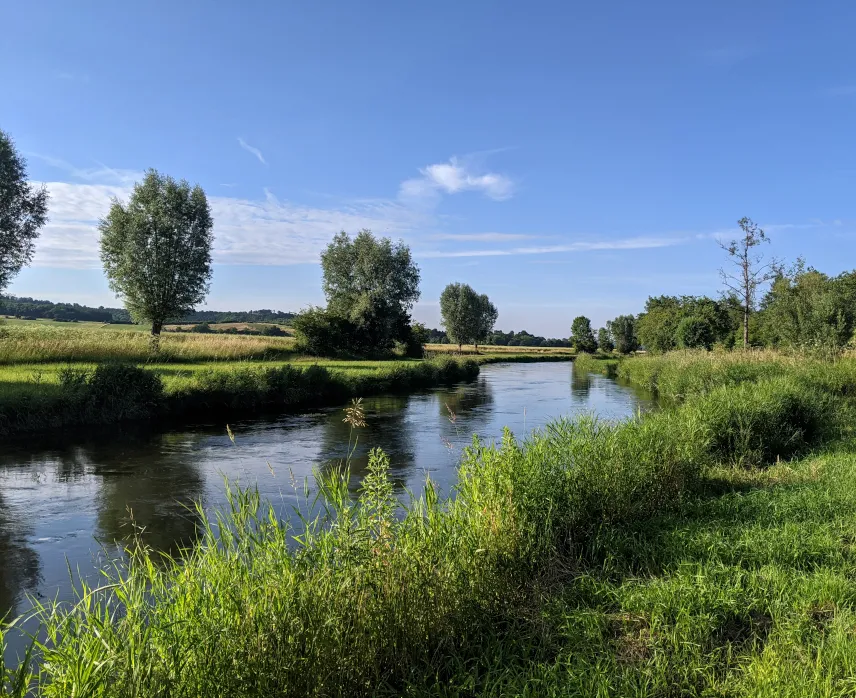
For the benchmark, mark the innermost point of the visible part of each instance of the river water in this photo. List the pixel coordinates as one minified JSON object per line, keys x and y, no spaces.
{"x":66,"y":499}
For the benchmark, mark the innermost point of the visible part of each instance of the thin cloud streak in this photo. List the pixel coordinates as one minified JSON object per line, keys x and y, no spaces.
{"x":627,"y":244}
{"x":250,"y":149}
{"x":481,"y":237}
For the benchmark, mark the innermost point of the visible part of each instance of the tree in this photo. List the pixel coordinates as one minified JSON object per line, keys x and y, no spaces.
{"x":604,"y":340}
{"x":156,"y":250}
{"x":23,"y":211}
{"x":623,"y":333}
{"x":486,"y":320}
{"x":694,"y":333}
{"x":657,"y":327}
{"x":752,"y":271}
{"x":582,"y":336}
{"x":467,"y":316}
{"x":807,"y":309}
{"x":373,"y":284}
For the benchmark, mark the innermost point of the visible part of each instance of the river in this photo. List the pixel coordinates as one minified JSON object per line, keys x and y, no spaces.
{"x":65,"y":498}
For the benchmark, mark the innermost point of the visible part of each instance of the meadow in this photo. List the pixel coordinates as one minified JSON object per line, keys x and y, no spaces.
{"x":56,"y":375}
{"x":706,"y":549}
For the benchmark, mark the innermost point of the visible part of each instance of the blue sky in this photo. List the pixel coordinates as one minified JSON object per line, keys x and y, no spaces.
{"x":564,"y":158}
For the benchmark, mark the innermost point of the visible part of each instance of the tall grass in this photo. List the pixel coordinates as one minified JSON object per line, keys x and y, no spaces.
{"x":679,"y":374}
{"x":594,"y":363}
{"x":376,"y":598}
{"x":40,"y":344}
{"x":112,"y":392}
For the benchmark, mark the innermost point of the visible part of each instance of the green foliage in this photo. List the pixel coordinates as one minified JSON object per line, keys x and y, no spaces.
{"x":156,"y":250}
{"x":622,"y":330}
{"x":591,"y":559}
{"x":604,"y":340}
{"x":23,"y":211}
{"x":372,"y":285}
{"x":657,"y":327}
{"x":694,"y":333}
{"x":582,"y":336}
{"x":806,"y":309}
{"x":467,"y":316}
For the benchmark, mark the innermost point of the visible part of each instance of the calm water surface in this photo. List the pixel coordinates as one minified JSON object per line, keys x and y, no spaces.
{"x":62,"y":502}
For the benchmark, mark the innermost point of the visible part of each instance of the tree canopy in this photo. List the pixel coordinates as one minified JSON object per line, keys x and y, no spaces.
{"x":582,"y":336}
{"x":23,"y":212}
{"x":373,"y":284}
{"x":156,"y":249}
{"x":467,"y":316}
{"x":657,"y":327}
{"x":604,"y":340}
{"x":622,"y":330}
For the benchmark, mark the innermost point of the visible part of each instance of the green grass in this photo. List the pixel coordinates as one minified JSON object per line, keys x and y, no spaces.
{"x":597,"y":363}
{"x":676,"y":554}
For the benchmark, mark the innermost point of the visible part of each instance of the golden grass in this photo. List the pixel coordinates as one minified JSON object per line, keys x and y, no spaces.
{"x":495,"y":349}
{"x":44,"y":344}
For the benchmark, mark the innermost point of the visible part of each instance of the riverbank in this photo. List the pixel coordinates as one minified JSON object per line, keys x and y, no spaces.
{"x":699,"y":550}
{"x":56,"y":395}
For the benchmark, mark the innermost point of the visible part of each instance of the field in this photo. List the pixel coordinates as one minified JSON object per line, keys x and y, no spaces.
{"x":703,"y":550}
{"x":55,"y":375}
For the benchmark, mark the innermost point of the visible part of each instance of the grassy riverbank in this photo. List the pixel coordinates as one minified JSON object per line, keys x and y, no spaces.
{"x":706,"y":549}
{"x":80,"y":377}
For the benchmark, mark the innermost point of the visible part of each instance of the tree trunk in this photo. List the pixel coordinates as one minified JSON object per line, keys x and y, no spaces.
{"x":154,"y":339}
{"x":477,"y":348}
{"x":746,"y":327}
{"x":460,"y":348}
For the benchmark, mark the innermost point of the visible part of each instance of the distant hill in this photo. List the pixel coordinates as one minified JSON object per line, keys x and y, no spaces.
{"x":20,"y":306}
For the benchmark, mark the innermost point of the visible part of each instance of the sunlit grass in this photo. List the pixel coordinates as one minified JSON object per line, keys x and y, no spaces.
{"x":678,"y":553}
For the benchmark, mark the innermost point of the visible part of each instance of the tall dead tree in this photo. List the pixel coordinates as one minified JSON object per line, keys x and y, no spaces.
{"x":752,"y":270}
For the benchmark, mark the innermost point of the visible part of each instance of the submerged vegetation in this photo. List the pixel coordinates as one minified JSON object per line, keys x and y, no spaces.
{"x":678,"y":553}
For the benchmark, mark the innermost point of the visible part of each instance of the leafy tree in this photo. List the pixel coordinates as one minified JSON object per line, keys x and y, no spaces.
{"x":156,"y":250}
{"x":807,"y":309}
{"x":604,"y":340}
{"x":694,"y":333}
{"x":657,"y":327}
{"x":623,"y":333}
{"x":373,"y":284}
{"x":487,"y":319}
{"x":582,"y":336}
{"x":752,"y":270}
{"x":467,"y":316}
{"x":23,"y":211}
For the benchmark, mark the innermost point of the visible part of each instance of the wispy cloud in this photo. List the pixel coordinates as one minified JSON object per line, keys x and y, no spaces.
{"x":246,"y":231}
{"x":840,"y":91}
{"x":481,"y":237}
{"x":102,"y":174}
{"x":638,"y":243}
{"x":72,"y":77}
{"x":454,"y":177}
{"x":250,"y":149}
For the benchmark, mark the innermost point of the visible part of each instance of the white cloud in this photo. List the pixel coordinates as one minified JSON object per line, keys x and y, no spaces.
{"x":265,"y":232}
{"x":481,"y":237}
{"x":625,"y":244}
{"x":250,"y":149}
{"x":453,"y":177}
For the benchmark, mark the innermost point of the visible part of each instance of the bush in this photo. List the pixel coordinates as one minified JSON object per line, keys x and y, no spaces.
{"x":694,"y":333}
{"x":273,"y":331}
{"x":754,"y":424}
{"x":123,"y":391}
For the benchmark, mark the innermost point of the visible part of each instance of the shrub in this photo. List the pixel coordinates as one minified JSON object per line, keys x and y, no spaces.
{"x":756,"y":423}
{"x":123,"y":391}
{"x":694,"y":333}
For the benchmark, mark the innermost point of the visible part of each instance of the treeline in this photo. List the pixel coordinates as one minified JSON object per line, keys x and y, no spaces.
{"x":504,"y":339}
{"x":803,"y":309}
{"x":23,"y":307}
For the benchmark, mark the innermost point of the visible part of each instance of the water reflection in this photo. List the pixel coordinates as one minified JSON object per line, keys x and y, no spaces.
{"x":19,"y":563}
{"x":581,"y":384}
{"x":62,"y":499}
